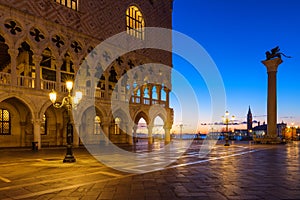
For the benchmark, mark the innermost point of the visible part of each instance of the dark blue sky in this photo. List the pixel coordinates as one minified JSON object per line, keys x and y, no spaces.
{"x":236,"y":34}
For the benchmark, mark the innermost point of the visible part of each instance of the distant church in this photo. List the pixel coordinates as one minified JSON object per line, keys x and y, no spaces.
{"x":261,"y":129}
{"x":249,"y":121}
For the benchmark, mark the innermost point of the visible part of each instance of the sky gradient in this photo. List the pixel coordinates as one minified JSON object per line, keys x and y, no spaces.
{"x":236,"y":34}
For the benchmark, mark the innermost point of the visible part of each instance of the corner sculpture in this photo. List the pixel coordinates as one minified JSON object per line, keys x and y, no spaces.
{"x":275,"y":53}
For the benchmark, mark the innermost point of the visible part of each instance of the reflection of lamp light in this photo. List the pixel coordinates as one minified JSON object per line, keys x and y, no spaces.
{"x":293,"y":130}
{"x":78,"y":95}
{"x":77,"y":98}
{"x":67,"y":102}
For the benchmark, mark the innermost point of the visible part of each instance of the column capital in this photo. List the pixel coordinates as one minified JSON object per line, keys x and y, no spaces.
{"x":135,"y":127}
{"x":106,"y":74}
{"x":166,"y":89}
{"x":150,"y":126}
{"x":59,"y":62}
{"x":272,"y":65}
{"x":158,"y":87}
{"x":37,"y":59}
{"x":13,"y":52}
{"x":105,"y":121}
{"x":37,"y":121}
{"x":168,"y":126}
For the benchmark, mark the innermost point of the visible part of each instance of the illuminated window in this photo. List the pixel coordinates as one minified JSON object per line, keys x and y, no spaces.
{"x":97,"y":125}
{"x":117,"y":126}
{"x":73,"y":4}
{"x":135,"y":22}
{"x":4,"y":122}
{"x":44,"y":125}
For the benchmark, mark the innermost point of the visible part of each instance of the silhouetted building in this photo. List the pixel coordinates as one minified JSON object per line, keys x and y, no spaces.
{"x":249,"y":120}
{"x":262,"y":129}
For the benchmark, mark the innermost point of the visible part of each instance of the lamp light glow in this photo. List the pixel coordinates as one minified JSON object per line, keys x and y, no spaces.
{"x":78,"y":95}
{"x":52,"y":96}
{"x":69,"y":85}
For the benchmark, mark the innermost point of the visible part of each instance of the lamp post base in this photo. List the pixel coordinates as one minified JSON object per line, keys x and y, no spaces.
{"x":227,"y":141}
{"x":69,"y":158}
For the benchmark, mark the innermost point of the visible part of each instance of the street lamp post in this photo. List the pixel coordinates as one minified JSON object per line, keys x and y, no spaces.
{"x":67,"y":102}
{"x":226,"y":122}
{"x":181,"y":126}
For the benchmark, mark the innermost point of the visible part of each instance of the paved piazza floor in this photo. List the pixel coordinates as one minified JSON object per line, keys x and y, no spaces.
{"x":241,"y":171}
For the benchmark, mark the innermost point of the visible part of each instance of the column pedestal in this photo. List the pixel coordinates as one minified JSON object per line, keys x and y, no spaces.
{"x":37,"y":133}
{"x":150,"y":136}
{"x":167,"y":135}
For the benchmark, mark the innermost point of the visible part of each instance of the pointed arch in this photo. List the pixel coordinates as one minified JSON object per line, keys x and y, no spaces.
{"x":24,"y":99}
{"x":48,"y":67}
{"x":140,"y":115}
{"x":5,"y":58}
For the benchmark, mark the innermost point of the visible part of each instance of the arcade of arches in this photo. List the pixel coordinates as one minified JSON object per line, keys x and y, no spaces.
{"x":34,"y":61}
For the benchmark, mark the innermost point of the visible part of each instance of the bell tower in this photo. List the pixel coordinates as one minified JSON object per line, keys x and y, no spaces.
{"x":249,"y":120}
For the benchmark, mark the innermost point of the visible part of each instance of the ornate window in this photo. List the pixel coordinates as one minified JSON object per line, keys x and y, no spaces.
{"x":73,"y":4}
{"x":97,"y":126}
{"x":4,"y":122}
{"x":135,"y":22}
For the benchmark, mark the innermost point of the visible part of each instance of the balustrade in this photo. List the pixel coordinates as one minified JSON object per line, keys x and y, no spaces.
{"x":25,"y":81}
{"x":48,"y":85}
{"x":29,"y":82}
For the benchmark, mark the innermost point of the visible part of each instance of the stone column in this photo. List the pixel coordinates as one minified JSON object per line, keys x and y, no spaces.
{"x":142,"y":88}
{"x":272,"y":66}
{"x":134,"y":96}
{"x":158,"y":92}
{"x":13,"y":60}
{"x":23,"y":134}
{"x":59,"y":136}
{"x":134,"y":133}
{"x":76,"y":135}
{"x":37,"y":132}
{"x":150,"y":88}
{"x":68,"y":63}
{"x":106,"y":93}
{"x":59,"y":63}
{"x":129,"y":134}
{"x":167,"y":135}
{"x":150,"y":137}
{"x":37,"y":60}
{"x":167,"y":91}
{"x":106,"y":125}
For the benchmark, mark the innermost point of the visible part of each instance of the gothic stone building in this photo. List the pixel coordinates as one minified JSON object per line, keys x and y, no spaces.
{"x":44,"y":42}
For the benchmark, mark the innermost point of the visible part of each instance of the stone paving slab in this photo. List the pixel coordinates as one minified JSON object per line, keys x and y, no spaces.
{"x":241,"y":171}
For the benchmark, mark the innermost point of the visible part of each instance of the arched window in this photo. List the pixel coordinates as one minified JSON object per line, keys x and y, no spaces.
{"x":117,"y":126}
{"x":67,"y":69}
{"x":4,"y":122}
{"x":135,"y":22}
{"x":73,"y":4}
{"x":97,"y":125}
